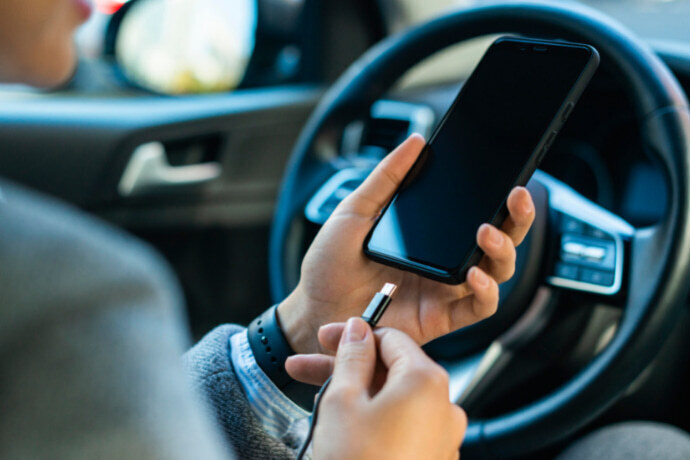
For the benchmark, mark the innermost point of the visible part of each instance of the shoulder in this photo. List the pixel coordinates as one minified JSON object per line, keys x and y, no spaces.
{"x":53,"y":227}
{"x":58,"y":260}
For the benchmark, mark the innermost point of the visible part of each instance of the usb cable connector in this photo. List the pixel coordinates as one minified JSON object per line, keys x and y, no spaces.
{"x":378,"y":304}
{"x":372,"y":315}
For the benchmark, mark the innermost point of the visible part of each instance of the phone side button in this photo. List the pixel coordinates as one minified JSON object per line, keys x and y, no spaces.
{"x":549,"y":139}
{"x":567,"y":110}
{"x":547,"y":144}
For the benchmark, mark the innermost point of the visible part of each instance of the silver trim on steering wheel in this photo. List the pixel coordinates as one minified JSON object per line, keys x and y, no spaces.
{"x":339,"y":186}
{"x":591,"y":254}
{"x":420,"y":119}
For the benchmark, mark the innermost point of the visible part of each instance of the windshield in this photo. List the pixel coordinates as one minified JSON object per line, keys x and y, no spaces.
{"x":650,"y":19}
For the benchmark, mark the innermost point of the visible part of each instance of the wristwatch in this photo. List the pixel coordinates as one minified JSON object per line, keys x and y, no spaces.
{"x":271,"y":349}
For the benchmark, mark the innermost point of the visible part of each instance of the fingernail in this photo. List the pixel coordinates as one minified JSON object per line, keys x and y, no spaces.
{"x":495,"y":236}
{"x":480,"y":277}
{"x":355,"y":330}
{"x":527,"y":207}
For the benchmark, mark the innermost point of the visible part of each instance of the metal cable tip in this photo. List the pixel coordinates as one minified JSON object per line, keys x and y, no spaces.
{"x":389,"y":289}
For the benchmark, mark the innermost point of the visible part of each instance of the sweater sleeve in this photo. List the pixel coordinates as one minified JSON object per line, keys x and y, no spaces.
{"x":210,"y":367}
{"x":91,"y":333}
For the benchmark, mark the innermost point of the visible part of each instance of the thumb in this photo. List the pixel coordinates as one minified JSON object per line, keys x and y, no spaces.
{"x":356,"y":359}
{"x":378,"y":188}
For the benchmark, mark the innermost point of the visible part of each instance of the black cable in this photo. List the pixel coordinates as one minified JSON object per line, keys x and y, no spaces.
{"x":371,"y":315}
{"x":314,"y":417}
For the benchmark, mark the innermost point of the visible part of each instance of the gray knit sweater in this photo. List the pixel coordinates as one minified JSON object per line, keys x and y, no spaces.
{"x":209,"y":364}
{"x":91,"y":333}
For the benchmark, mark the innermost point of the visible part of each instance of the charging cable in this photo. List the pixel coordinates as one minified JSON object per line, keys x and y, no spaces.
{"x":371,"y":315}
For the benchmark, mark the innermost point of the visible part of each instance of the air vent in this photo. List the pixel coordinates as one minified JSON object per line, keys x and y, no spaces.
{"x":385,"y":133}
{"x":389,"y":124}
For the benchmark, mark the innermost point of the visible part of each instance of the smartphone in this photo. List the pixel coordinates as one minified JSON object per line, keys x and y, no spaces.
{"x":493,"y":137}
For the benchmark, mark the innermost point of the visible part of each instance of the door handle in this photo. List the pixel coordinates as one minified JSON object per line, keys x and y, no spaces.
{"x":148,"y":169}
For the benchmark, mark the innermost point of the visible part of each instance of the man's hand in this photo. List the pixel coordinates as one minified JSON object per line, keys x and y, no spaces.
{"x":338,"y":280}
{"x":410,"y":417}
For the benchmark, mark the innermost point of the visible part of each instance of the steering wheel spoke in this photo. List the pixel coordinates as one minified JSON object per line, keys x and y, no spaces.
{"x":343,"y":182}
{"x":472,"y":377}
{"x":589,"y":248}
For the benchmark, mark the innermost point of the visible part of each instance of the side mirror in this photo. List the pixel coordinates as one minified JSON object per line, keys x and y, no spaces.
{"x":186,"y":46}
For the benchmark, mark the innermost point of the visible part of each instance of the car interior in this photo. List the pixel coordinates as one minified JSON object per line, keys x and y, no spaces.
{"x":229,"y":161}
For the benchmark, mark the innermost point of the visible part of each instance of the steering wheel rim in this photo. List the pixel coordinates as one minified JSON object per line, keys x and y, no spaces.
{"x":662,"y":252}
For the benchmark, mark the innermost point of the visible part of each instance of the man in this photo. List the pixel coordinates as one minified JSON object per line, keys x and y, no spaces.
{"x":91,"y":326}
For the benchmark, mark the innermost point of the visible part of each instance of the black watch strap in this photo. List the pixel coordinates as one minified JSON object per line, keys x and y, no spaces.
{"x":271,"y":349}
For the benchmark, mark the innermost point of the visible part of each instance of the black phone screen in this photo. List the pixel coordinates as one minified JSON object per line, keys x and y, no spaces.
{"x":475,"y":156}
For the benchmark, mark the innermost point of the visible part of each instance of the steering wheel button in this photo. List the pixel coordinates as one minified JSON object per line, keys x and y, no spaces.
{"x":583,"y":251}
{"x":597,"y":233}
{"x":594,"y":253}
{"x":596,"y":277}
{"x":570,"y":225}
{"x":574,"y":249}
{"x":589,"y":252}
{"x":567,"y":271}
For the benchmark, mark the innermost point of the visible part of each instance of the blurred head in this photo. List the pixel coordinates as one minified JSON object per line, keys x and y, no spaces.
{"x":36,"y":39}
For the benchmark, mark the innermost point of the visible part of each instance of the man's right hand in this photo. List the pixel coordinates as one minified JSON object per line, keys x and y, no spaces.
{"x":409,"y":417}
{"x":337,"y":279}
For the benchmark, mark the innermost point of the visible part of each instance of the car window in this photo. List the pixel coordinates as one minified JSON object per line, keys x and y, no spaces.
{"x":651,"y":19}
{"x":661,"y":22}
{"x":178,"y":47}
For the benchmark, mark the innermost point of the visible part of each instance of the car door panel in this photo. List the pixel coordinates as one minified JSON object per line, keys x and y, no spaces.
{"x":214,"y":232}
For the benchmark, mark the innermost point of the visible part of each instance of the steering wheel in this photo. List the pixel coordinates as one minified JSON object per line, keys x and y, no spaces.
{"x":644,"y":270}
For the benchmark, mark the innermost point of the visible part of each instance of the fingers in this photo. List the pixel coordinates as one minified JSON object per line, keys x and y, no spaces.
{"x":521,"y":210}
{"x":316,"y":368}
{"x":485,"y":295}
{"x":458,"y":425}
{"x":499,"y":248}
{"x":355,"y":362}
{"x":405,"y":361}
{"x":329,"y":336}
{"x":378,"y":188}
{"x":459,"y":421}
{"x":312,"y":369}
